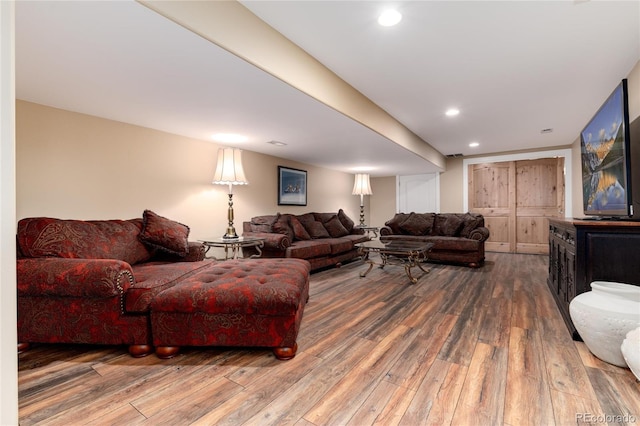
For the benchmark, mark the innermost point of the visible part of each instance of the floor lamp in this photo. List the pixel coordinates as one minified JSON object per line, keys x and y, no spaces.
{"x":229,"y":171}
{"x":362,"y":187}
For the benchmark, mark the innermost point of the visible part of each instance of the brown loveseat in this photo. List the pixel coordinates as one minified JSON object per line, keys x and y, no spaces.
{"x":323,"y":239}
{"x":457,"y":237}
{"x":141,"y":283}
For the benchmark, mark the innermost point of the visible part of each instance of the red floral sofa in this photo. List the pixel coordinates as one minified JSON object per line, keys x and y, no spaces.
{"x":97,"y":282}
{"x":323,"y":239}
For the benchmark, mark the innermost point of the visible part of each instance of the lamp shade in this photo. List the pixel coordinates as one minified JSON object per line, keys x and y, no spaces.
{"x":361,"y":186}
{"x":229,"y":169}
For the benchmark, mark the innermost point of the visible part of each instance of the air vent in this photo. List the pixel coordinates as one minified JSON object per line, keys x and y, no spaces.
{"x":549,"y":130}
{"x":454,"y":155}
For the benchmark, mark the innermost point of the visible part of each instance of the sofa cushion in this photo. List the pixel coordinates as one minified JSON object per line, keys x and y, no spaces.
{"x":447,"y":224}
{"x":165,"y":234}
{"x":335,"y":228}
{"x":282,"y":226}
{"x":356,"y":238}
{"x":346,"y":221}
{"x":454,"y":243}
{"x":153,"y":277}
{"x":316,"y":230}
{"x":339,"y":245}
{"x":77,"y":239}
{"x":309,"y":249}
{"x":396,"y":221}
{"x":298,"y":230}
{"x":417,"y":224}
{"x":470,"y":222}
{"x":442,"y":243}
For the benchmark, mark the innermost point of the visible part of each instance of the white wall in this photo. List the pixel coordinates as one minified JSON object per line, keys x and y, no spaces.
{"x":8,"y":338}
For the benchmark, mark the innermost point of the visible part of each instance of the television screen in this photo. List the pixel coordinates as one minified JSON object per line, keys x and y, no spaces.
{"x":604,"y":144}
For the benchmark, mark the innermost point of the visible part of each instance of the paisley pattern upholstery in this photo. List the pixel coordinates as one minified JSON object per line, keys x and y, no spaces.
{"x":94,"y":282}
{"x":106,"y":239}
{"x":74,"y":278}
{"x":251,"y":302}
{"x":164,"y":234}
{"x":90,"y":278}
{"x":153,"y":277}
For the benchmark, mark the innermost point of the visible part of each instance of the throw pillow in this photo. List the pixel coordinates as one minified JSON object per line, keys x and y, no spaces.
{"x":449,"y":225}
{"x":262,"y":223}
{"x":298,"y":230}
{"x":281,"y":226}
{"x":323,"y":217}
{"x":164,"y":234}
{"x":470,"y":222}
{"x":316,"y":230}
{"x":416,"y":224}
{"x":335,"y":227}
{"x":395,"y":223}
{"x":346,"y":221}
{"x":306,"y":218}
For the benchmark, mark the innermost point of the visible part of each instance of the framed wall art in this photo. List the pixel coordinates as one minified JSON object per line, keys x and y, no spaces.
{"x":292,"y":187}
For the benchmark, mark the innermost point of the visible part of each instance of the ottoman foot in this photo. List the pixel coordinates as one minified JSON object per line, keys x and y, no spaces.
{"x":138,"y":351}
{"x":23,"y":347}
{"x":166,"y":352}
{"x":285,"y":353}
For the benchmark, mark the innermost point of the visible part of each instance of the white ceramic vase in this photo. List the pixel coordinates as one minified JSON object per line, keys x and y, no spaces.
{"x":630,"y":349}
{"x":604,"y":316}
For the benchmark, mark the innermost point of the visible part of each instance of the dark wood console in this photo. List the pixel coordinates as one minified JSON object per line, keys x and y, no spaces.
{"x":583,"y":251}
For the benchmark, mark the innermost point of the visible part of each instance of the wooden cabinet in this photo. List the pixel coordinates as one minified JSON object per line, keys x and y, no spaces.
{"x":583,"y":251}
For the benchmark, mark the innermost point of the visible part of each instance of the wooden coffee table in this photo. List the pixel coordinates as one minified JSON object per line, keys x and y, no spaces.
{"x":396,"y":252}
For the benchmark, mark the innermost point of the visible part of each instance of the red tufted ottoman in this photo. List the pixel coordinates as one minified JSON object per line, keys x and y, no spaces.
{"x":247,"y":302}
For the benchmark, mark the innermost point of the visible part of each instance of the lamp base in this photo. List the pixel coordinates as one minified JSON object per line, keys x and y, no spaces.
{"x":231,"y":234}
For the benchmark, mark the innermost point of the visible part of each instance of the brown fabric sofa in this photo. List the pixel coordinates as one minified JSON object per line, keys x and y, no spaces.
{"x":98,"y":282}
{"x":457,"y":237}
{"x":323,"y":239}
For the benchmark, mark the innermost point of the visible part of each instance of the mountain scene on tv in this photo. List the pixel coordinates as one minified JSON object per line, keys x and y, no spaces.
{"x":603,"y":161}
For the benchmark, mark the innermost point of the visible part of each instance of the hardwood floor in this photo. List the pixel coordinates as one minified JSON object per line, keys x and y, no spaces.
{"x":462,"y":347}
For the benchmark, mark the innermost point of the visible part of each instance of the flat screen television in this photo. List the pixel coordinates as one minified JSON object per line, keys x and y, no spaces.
{"x":606,"y":159}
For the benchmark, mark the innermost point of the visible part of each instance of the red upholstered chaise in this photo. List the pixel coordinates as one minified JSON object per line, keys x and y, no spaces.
{"x":95,"y":282}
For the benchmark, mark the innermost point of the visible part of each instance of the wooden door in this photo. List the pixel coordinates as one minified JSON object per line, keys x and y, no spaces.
{"x":516,"y":199}
{"x":539,"y":196}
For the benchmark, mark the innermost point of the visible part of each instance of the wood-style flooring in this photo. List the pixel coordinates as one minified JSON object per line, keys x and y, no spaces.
{"x":463,"y":346}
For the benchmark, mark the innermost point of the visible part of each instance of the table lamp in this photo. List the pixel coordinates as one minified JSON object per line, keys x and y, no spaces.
{"x":229,"y":171}
{"x":362,"y":187}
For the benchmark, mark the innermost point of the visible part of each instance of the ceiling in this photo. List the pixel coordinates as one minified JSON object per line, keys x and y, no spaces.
{"x":512,"y":68}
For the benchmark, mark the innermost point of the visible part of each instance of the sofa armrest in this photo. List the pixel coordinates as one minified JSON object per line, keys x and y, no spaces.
{"x":480,"y":233}
{"x":385,"y":230}
{"x":196,"y":253}
{"x":61,"y":277}
{"x":272,"y":240}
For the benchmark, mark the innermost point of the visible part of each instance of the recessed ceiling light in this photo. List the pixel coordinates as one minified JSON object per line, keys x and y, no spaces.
{"x":363,"y":169}
{"x":389,"y":18}
{"x":277,"y":143}
{"x":474,"y":144}
{"x":229,"y":137}
{"x":452,"y":112}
